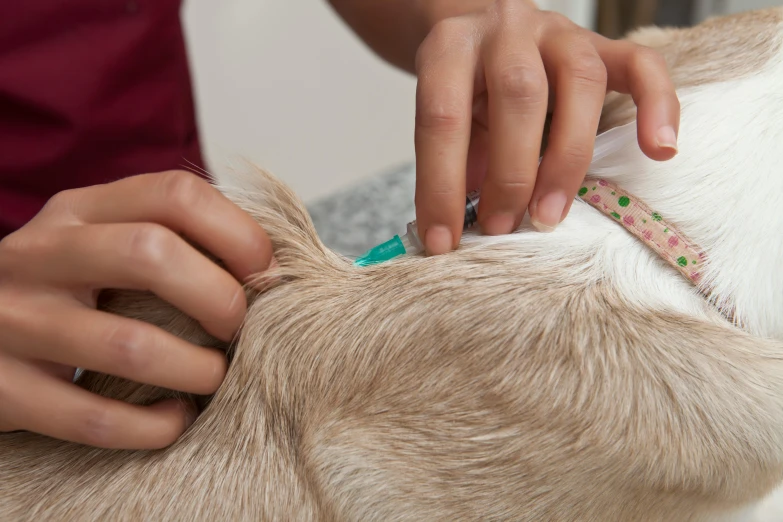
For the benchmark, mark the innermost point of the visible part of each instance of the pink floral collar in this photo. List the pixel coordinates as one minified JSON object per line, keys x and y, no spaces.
{"x":648,"y":226}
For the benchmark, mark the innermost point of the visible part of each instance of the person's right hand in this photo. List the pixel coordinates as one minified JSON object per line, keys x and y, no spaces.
{"x":486,"y":82}
{"x":122,"y":235}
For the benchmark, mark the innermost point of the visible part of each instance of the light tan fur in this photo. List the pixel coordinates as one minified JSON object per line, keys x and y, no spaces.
{"x":480,"y":385}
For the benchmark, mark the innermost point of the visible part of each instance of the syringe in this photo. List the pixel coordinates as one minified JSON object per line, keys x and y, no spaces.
{"x":606,"y":144}
{"x":410,"y":243}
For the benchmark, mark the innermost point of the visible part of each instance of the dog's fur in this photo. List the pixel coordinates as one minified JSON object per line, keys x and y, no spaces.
{"x":566,"y":376}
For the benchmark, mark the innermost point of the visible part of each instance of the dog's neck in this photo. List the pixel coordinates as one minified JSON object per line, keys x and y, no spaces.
{"x":724,"y":190}
{"x":647,"y":225}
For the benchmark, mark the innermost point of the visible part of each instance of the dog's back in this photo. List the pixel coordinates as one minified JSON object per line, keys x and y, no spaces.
{"x":571,"y":376}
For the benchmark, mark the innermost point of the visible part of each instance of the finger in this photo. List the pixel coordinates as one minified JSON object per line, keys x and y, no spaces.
{"x":186,"y":204}
{"x":579,"y":77}
{"x":42,"y":404}
{"x":643,"y":73}
{"x":518,"y":91}
{"x":143,"y":256}
{"x":445,"y":66}
{"x":112,"y":345}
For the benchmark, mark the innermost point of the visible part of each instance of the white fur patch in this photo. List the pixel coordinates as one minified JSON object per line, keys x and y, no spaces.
{"x":724,"y":190}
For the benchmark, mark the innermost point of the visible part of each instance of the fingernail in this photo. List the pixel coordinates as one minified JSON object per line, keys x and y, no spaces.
{"x":438,"y":240}
{"x":498,"y":224}
{"x":667,"y":138}
{"x":549,"y":211}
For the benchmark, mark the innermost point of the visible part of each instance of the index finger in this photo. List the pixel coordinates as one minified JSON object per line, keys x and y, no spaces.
{"x":642,"y":72}
{"x":185,"y":204}
{"x":64,"y":411}
{"x":446,"y":67}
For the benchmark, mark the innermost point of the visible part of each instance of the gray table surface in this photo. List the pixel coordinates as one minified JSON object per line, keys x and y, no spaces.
{"x":356,"y":219}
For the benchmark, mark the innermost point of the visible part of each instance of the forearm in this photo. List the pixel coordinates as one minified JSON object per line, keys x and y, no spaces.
{"x":394,"y":29}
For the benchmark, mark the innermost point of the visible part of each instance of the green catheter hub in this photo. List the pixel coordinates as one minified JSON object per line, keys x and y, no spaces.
{"x":410,"y":243}
{"x":606,"y":144}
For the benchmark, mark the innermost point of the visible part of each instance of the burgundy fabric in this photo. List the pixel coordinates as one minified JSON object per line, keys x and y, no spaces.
{"x":90,"y":91}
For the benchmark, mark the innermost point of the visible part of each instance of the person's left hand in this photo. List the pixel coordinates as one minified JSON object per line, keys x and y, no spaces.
{"x":486,"y":82}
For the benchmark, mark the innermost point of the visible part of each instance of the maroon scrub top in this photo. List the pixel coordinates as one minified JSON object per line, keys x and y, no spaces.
{"x":90,"y":91}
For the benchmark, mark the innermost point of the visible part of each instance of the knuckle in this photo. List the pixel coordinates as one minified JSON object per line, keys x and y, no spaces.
{"x":436,"y":190}
{"x":589,"y":70}
{"x":507,"y":7}
{"x":17,"y":314}
{"x":422,"y":54}
{"x":149,"y":245}
{"x":96,"y":427}
{"x":437,"y":204}
{"x":62,"y":201}
{"x":643,"y":57}
{"x":127,"y":346}
{"x":574,"y":158}
{"x":522,"y":82}
{"x":558,"y":21}
{"x":504,"y":6}
{"x":516,"y":182}
{"x":25,"y":244}
{"x":447,"y":31}
{"x":445,"y":112}
{"x":449,"y":34}
{"x":183,"y":190}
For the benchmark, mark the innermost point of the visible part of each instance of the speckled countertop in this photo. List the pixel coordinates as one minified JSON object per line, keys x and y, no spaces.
{"x":354,"y":220}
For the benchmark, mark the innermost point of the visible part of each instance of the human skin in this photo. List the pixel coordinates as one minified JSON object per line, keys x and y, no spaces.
{"x":488,"y":73}
{"x":128,"y":234}
{"x":486,"y":69}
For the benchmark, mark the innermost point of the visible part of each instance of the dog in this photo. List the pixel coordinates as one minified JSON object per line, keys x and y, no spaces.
{"x":571,"y":376}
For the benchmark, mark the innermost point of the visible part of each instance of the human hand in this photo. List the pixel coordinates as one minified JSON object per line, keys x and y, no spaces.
{"x":486,"y":82}
{"x":121,"y":235}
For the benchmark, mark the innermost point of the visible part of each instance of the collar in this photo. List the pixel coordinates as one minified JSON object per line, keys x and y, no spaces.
{"x":649,"y":226}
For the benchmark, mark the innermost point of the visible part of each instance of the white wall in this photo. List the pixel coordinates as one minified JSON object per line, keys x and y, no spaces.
{"x":285,"y":84}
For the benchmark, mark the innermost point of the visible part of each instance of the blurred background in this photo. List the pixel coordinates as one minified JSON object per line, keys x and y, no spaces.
{"x":288,"y":86}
